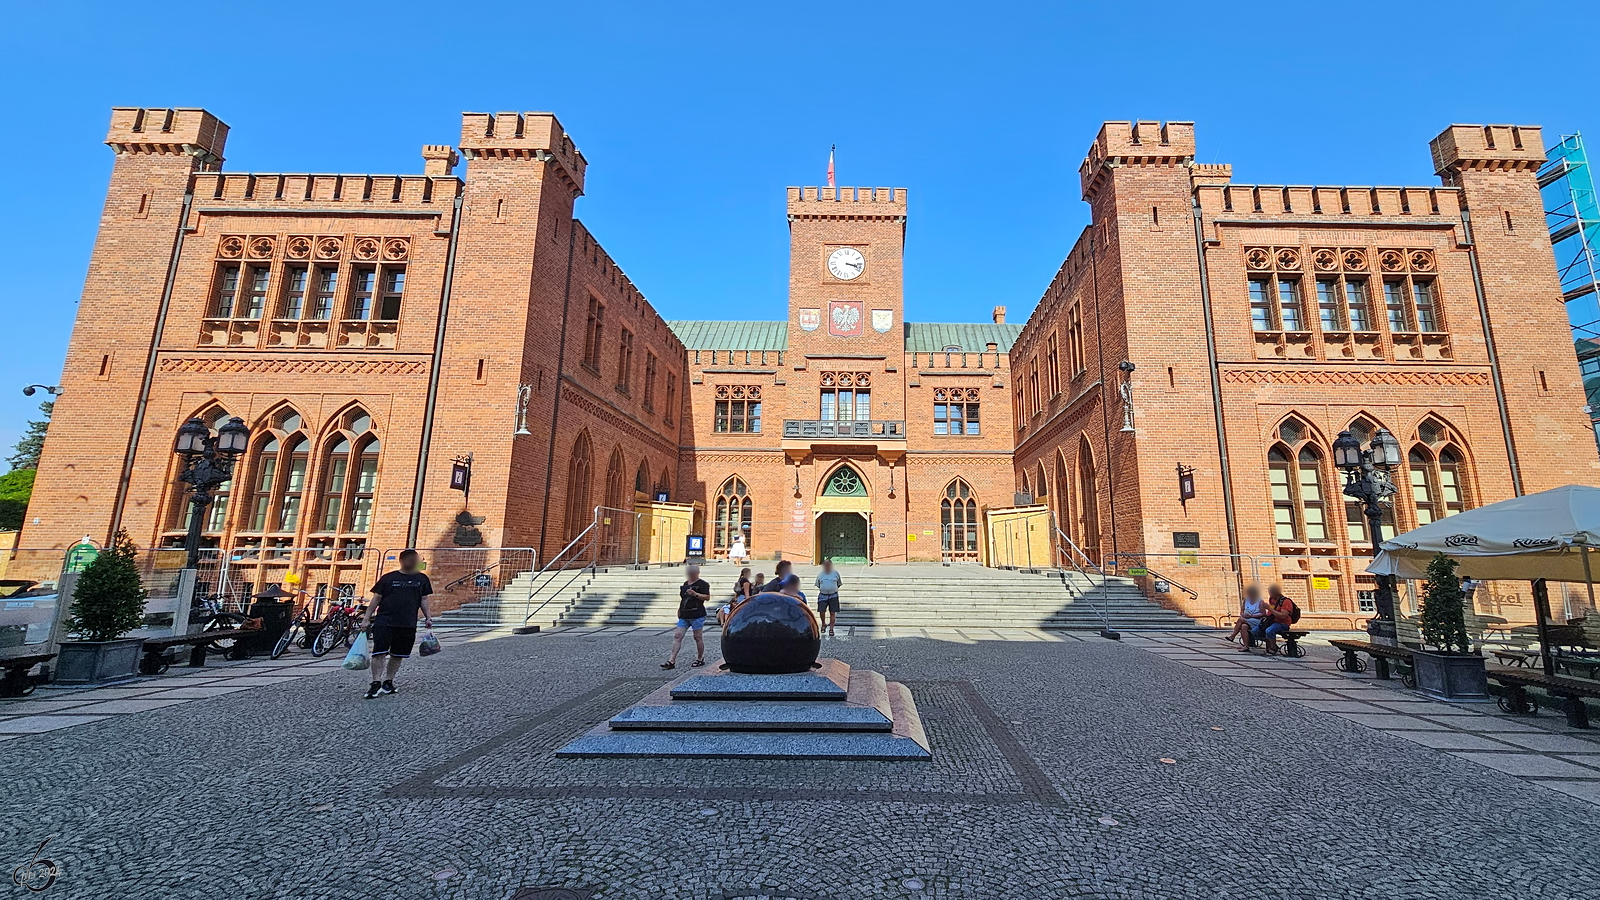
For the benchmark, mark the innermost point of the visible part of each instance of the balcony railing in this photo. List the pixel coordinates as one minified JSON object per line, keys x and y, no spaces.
{"x":875,"y":429}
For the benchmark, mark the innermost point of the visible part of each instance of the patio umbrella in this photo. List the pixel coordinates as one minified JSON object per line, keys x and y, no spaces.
{"x":1526,"y":538}
{"x":1540,"y":537}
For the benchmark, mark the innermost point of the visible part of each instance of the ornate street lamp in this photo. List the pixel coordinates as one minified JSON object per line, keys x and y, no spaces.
{"x":208,"y":462}
{"x":1367,"y":479}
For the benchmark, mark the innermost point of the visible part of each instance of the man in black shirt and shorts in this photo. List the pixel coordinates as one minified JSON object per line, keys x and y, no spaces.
{"x":396,"y":599}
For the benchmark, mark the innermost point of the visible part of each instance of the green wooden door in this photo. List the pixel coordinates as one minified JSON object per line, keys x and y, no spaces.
{"x":843,"y":537}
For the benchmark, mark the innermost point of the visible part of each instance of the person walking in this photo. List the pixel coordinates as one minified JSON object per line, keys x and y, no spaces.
{"x":392,"y":607}
{"x":737,"y":554}
{"x":693,"y":595}
{"x":828,"y":582}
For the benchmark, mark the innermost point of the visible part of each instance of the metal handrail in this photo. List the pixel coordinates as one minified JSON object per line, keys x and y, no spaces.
{"x":483,"y":571}
{"x":1173,"y":581}
{"x":1105,"y":587}
{"x":551,"y":570}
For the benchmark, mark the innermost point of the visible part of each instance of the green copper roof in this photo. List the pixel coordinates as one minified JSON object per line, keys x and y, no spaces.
{"x":929,"y":337}
{"x":704,"y":335}
{"x":921,"y":337}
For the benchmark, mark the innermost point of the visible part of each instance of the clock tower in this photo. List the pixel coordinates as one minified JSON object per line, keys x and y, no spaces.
{"x":846,"y":290}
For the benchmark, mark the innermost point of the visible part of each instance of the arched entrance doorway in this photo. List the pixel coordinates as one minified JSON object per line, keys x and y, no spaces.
{"x":842,"y":535}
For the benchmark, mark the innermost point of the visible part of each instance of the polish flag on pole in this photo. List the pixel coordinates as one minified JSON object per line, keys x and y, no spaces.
{"x":831,"y":148}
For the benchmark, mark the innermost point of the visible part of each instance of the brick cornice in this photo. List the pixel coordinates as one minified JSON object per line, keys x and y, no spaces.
{"x":234,"y":365}
{"x":1355,"y":376}
{"x":584,"y":399}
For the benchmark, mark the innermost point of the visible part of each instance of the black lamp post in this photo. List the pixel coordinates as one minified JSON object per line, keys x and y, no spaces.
{"x":207,"y":464}
{"x":1367,"y":478}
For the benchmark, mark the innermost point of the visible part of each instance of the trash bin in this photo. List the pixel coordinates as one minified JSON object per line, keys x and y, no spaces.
{"x":275,"y":608}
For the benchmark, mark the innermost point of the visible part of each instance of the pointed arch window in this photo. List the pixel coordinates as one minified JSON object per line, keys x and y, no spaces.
{"x":734,"y":513}
{"x":1296,"y":480}
{"x":958,"y":522}
{"x":279,"y":484}
{"x":1088,"y":501}
{"x":350,"y":476}
{"x":579,"y":486}
{"x":1437,"y":472}
{"x":616,"y":482}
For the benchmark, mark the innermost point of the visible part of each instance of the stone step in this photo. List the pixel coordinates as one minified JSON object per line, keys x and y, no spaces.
{"x":720,"y":715}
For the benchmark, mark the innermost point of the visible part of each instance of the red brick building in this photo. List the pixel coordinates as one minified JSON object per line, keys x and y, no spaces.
{"x":372,"y":328}
{"x":1260,"y":322}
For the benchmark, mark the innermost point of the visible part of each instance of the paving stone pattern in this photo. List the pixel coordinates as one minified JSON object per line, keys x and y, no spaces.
{"x":1048,"y":781}
{"x":1543,"y":748}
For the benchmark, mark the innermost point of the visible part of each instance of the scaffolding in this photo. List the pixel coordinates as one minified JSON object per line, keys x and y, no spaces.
{"x":1572,"y":213}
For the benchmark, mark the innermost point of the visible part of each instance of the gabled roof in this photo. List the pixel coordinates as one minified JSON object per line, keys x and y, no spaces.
{"x":710,"y":335}
{"x":933,"y":337}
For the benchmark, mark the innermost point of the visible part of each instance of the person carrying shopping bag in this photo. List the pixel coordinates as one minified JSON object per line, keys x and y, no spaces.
{"x":392,"y":609}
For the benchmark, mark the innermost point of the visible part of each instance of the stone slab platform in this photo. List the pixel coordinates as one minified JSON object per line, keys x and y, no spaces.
{"x":831,"y":682}
{"x":875,"y":720}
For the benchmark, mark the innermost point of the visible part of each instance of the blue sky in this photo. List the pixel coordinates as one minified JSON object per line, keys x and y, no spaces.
{"x":695,"y":116}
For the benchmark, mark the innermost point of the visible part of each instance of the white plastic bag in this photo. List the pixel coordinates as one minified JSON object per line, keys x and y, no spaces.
{"x":429,"y":645}
{"x":359,"y":656}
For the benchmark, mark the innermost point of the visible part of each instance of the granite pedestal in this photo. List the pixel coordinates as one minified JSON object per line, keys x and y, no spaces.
{"x":830,"y":713}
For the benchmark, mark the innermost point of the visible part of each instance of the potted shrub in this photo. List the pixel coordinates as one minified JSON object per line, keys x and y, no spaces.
{"x":1446,"y":665}
{"x":107,"y":603}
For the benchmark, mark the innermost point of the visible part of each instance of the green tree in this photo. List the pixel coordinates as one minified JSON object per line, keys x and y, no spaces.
{"x":15,"y":489}
{"x":109,"y":599}
{"x":25,"y":455}
{"x":1444,"y":624}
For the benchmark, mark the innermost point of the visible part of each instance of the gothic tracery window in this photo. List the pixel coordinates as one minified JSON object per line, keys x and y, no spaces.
{"x":734,"y":513}
{"x":958,"y":522}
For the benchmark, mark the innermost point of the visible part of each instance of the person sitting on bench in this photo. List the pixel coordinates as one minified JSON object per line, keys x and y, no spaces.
{"x":1280,"y":615}
{"x":1252,"y":612}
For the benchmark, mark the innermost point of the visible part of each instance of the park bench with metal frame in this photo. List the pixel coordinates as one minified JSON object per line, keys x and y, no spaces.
{"x":1568,"y":692}
{"x":1382,"y":655}
{"x":156,"y":650}
{"x":17,"y":682}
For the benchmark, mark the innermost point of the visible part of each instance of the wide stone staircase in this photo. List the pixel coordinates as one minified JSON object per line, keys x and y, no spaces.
{"x":903,"y":596}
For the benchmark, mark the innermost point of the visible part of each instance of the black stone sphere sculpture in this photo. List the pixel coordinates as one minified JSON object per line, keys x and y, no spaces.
{"x":771,"y":634}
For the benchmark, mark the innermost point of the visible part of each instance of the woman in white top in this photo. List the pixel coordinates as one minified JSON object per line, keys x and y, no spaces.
{"x":1252,"y":612}
{"x":737,"y":553}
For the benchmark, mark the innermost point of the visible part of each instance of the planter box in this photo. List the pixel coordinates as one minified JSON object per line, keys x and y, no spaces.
{"x":82,"y":662}
{"x":1452,"y":676}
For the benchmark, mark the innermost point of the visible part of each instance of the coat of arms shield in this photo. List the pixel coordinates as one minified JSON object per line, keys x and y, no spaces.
{"x":844,"y":318}
{"x":882,"y":320}
{"x":810,"y":319}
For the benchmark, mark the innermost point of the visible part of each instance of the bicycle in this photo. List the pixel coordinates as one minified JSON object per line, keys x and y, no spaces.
{"x":337,"y":628}
{"x":215,"y":618}
{"x":302,"y":629}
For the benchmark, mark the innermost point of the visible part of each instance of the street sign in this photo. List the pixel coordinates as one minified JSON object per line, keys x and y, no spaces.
{"x":482,"y":580}
{"x":1138,"y":572}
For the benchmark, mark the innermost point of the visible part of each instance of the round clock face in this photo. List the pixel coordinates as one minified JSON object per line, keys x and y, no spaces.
{"x":846,"y":263}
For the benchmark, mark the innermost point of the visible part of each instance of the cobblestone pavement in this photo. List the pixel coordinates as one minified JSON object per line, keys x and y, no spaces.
{"x":1063,"y":767}
{"x":1542,"y":749}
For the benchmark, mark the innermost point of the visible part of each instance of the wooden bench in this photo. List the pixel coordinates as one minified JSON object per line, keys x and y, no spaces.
{"x":1382,"y":655}
{"x":156,"y":660}
{"x":1569,"y":692}
{"x":17,"y":682}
